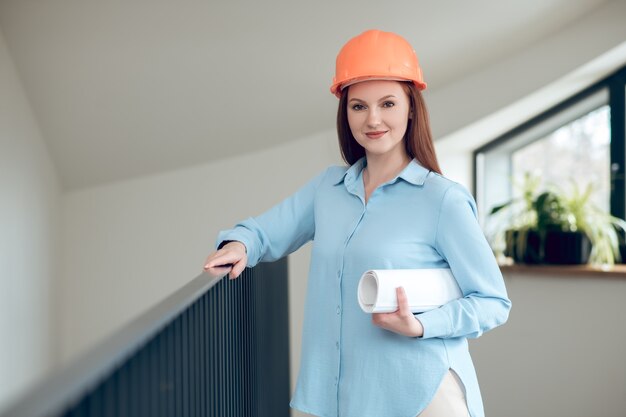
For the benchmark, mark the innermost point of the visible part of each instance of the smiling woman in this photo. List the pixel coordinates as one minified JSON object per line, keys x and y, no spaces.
{"x":388,"y":209}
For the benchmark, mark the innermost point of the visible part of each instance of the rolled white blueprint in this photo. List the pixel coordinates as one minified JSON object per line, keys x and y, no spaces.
{"x":426,"y":289}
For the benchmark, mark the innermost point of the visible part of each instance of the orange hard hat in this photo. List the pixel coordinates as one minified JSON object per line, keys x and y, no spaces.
{"x":377,"y":55}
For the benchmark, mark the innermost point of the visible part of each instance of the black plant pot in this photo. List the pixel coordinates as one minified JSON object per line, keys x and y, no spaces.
{"x":551,"y":247}
{"x":569,"y":248}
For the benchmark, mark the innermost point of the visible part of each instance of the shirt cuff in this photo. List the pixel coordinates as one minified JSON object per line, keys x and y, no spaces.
{"x":224,"y":242}
{"x":436,"y":323}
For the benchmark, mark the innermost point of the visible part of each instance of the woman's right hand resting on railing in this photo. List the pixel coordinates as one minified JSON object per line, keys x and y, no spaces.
{"x":231,"y":256}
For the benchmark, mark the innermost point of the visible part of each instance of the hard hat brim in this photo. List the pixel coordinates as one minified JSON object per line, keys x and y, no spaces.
{"x":337,"y":88}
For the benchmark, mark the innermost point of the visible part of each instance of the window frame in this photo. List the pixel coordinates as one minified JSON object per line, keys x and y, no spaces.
{"x":615,"y":85}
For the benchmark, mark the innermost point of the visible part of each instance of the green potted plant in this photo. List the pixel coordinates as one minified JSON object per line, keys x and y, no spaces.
{"x":555,"y":227}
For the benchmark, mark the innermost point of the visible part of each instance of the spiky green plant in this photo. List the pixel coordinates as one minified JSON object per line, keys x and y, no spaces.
{"x":602,"y":229}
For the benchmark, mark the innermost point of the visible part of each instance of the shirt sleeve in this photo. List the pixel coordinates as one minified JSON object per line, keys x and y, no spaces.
{"x":279,"y":231}
{"x":461,"y":242}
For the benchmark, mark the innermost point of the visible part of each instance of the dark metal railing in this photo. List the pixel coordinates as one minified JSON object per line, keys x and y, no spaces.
{"x":215,"y":348}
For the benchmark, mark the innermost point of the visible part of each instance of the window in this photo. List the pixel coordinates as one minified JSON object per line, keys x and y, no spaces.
{"x":579,"y":141}
{"x":578,"y":151}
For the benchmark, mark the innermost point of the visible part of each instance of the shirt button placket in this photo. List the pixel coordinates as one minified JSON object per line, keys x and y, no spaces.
{"x":338,"y":310}
{"x":339,"y":279}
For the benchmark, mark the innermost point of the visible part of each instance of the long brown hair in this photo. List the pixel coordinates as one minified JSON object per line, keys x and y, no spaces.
{"x":418,"y":139}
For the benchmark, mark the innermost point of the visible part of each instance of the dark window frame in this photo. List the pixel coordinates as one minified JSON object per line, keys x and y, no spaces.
{"x":615,"y":84}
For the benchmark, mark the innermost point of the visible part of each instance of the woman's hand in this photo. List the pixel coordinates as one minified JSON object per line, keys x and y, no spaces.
{"x":401,"y":321}
{"x":232,"y":256}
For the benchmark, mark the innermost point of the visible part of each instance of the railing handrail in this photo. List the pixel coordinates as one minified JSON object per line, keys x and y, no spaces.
{"x":63,"y":386}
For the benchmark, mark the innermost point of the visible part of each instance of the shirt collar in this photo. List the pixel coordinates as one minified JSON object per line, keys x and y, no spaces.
{"x":413,"y":173}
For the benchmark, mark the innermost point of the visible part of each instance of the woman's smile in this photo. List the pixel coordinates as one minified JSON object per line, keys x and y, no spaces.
{"x":375,"y":135}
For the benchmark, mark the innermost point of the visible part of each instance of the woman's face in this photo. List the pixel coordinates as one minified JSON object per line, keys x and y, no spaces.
{"x":378,"y":113}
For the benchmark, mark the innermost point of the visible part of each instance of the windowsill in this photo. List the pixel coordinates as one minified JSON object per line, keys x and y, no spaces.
{"x":566,"y":271}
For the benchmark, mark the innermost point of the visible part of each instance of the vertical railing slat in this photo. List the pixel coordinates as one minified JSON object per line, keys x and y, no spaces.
{"x":178,"y":359}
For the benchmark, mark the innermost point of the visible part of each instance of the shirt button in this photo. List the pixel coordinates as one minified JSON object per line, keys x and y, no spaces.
{"x":337,"y":344}
{"x":338,"y":274}
{"x":338,"y":310}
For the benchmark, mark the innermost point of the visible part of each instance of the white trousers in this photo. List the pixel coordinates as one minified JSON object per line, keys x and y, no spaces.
{"x":449,"y":400}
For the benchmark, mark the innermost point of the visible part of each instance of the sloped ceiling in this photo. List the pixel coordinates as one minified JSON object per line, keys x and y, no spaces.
{"x":128,"y":88}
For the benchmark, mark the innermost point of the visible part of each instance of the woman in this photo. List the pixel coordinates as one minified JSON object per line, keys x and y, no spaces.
{"x":390,"y":209}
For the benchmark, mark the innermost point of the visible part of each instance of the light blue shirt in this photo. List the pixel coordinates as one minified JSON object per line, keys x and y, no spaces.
{"x":350,"y":367}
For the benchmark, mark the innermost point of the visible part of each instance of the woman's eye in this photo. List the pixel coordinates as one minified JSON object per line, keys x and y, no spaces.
{"x":358,"y":107}
{"x":388,"y":104}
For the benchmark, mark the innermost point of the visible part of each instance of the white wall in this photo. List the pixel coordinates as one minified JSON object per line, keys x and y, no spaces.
{"x":29,"y":211}
{"x":562,"y":352}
